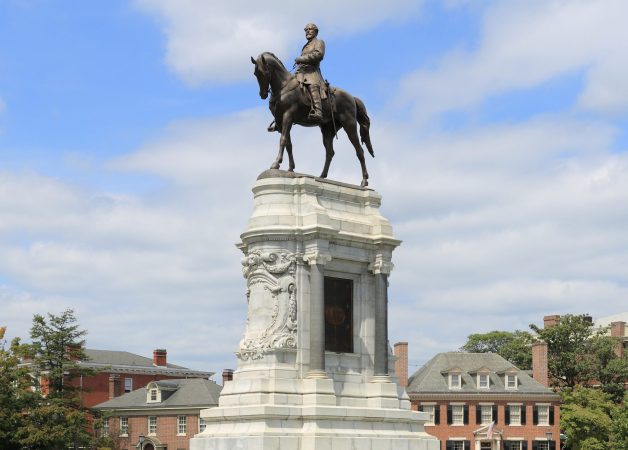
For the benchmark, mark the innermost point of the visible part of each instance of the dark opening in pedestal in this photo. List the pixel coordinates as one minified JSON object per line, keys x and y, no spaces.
{"x":338,"y":315}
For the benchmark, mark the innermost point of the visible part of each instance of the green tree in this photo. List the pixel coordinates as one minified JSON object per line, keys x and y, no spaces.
{"x":579,"y":353}
{"x":58,"y":421}
{"x":16,"y":395}
{"x":619,"y":426}
{"x":512,"y":346}
{"x":586,"y":418}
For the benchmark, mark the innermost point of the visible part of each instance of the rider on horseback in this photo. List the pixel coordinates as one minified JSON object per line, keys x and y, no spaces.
{"x":308,"y":69}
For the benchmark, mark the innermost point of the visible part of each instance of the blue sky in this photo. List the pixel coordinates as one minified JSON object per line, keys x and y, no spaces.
{"x":131,"y":133}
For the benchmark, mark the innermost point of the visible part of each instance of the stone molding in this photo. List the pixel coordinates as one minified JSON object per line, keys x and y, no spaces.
{"x":317,"y":257}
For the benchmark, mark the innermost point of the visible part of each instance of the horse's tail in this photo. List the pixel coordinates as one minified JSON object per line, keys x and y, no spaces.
{"x":365,"y":124}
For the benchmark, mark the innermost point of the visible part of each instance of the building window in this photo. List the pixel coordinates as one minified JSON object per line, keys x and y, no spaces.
{"x":152,"y":425}
{"x":128,"y":385}
{"x":124,"y":426}
{"x":455,"y":445}
{"x":153,"y":395}
{"x":543,"y":415}
{"x":457,"y":414}
{"x":104,"y":432}
{"x":515,"y":414}
{"x":431,"y":410}
{"x":511,"y":381}
{"x":201,"y":424}
{"x":513,"y":445}
{"x":454,"y":381}
{"x":182,"y":424}
{"x":542,"y":445}
{"x":483,"y":381}
{"x":486,"y":414}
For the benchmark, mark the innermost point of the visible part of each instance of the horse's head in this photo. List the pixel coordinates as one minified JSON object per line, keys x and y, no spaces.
{"x":262,"y":74}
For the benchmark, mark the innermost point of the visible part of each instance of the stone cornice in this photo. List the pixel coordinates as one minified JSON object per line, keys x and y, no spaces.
{"x":521,"y":396}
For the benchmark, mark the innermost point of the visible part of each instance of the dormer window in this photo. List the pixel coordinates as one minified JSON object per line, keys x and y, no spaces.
{"x":455,"y":381}
{"x":153,"y":395}
{"x":511,"y":381}
{"x":483,"y":381}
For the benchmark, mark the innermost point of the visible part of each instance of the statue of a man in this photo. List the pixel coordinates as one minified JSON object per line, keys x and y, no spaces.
{"x":308,"y":69}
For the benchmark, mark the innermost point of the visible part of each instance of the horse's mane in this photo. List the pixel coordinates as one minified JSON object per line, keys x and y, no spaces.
{"x":271,"y":54}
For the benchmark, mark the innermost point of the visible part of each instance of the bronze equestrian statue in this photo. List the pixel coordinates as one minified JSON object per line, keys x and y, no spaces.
{"x":297,"y":99}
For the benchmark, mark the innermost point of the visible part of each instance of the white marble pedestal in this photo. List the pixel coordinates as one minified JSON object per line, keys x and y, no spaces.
{"x":288,"y":392}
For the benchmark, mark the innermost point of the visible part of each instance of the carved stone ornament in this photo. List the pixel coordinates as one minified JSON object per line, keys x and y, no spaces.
{"x":381,"y":266}
{"x":271,"y":322}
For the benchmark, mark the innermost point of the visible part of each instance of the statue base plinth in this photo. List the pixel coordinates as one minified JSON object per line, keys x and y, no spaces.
{"x":288,"y":393}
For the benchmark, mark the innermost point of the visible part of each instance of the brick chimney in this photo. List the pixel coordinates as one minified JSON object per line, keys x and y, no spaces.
{"x":618,"y":330}
{"x":227,"y":375}
{"x":159,"y":357}
{"x":549,"y":321}
{"x":114,"y":385}
{"x":539,"y":363}
{"x":401,"y":363}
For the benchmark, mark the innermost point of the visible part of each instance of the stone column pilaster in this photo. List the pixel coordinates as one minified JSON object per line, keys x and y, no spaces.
{"x":317,"y":261}
{"x":381,"y":268}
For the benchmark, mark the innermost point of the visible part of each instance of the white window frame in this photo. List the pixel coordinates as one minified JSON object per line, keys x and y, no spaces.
{"x":543,"y":444}
{"x":486,"y":414}
{"x":124,"y":426}
{"x":431,"y":410}
{"x":153,"y":395}
{"x":182,"y":425}
{"x":507,"y":381}
{"x":201,"y":424}
{"x":104,"y":432}
{"x":511,"y":408}
{"x":152,"y":425}
{"x":513,"y":441}
{"x":128,"y":385}
{"x":455,"y":376}
{"x":457,"y":445}
{"x":545,"y":416}
{"x":484,"y":377}
{"x":457,"y":415}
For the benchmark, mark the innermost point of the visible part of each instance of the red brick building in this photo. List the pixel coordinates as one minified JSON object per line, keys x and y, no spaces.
{"x":480,"y":401}
{"x":122,"y":372}
{"x":166,"y":413}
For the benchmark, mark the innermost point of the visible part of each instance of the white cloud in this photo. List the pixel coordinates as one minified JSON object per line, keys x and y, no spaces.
{"x":526,"y":43}
{"x":213,"y":41}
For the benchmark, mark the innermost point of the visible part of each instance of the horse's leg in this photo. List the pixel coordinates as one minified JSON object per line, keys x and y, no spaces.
{"x":279,"y":159}
{"x":290,"y":158}
{"x":284,"y":140}
{"x":328,"y":142}
{"x":352,"y":132}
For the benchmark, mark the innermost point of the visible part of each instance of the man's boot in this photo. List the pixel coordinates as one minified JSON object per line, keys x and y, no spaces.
{"x":316,"y":112}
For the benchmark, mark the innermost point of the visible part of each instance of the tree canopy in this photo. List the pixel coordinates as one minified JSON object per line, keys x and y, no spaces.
{"x":512,"y":346}
{"x":40,"y":408}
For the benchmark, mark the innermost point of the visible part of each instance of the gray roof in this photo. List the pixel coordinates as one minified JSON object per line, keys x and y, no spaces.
{"x":433,"y":376}
{"x":120,"y":361}
{"x":189,"y":393}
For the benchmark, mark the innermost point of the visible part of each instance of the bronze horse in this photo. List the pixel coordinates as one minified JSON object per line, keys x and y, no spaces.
{"x":289,"y":105}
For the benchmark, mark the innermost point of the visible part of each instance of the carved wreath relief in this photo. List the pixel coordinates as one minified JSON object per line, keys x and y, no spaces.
{"x":272,"y":305}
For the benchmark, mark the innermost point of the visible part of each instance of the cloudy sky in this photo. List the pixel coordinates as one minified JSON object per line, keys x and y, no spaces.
{"x":131,"y":133}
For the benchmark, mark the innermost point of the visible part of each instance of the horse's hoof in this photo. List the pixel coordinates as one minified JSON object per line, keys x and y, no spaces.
{"x":364,"y":183}
{"x":323,"y":175}
{"x":291,"y":169}
{"x":274,"y":166}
